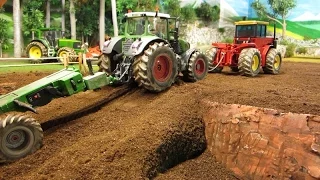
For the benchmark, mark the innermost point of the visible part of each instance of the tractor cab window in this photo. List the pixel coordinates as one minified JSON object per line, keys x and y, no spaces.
{"x":245,"y":31}
{"x":261,"y":30}
{"x":58,"y":34}
{"x":136,"y":26}
{"x":157,"y":26}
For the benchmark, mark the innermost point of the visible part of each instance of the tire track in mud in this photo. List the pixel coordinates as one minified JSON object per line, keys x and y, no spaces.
{"x":92,"y":108}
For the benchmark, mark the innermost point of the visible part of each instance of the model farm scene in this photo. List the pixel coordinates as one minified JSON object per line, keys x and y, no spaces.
{"x":162,"y":89}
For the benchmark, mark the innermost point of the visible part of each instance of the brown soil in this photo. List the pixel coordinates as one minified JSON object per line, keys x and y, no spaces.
{"x":142,"y":134}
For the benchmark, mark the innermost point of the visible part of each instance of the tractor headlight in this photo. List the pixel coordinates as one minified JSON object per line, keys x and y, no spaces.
{"x":106,"y":43}
{"x":135,"y":46}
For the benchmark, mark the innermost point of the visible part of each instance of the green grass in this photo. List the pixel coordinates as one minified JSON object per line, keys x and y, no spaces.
{"x":302,"y":59}
{"x":301,"y":30}
{"x":25,"y":66}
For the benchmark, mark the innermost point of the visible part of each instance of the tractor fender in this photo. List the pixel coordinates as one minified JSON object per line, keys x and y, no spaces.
{"x":113,"y":44}
{"x":185,"y":58}
{"x":44,"y":42}
{"x":264,"y":50}
{"x":140,"y":44}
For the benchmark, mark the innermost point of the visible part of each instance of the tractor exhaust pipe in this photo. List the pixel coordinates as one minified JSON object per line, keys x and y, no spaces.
{"x":275,"y":42}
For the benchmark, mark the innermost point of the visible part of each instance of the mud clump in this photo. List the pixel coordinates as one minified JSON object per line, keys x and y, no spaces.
{"x":185,"y":140}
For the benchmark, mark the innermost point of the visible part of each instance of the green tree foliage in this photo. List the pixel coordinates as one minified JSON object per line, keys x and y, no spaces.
{"x":172,"y":7}
{"x":33,"y":17}
{"x":207,"y":12}
{"x":87,"y":17}
{"x":188,"y":13}
{"x":4,"y":35}
{"x":277,"y":9}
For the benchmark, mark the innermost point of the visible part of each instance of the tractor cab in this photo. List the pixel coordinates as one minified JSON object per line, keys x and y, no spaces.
{"x":147,"y":24}
{"x":252,"y":32}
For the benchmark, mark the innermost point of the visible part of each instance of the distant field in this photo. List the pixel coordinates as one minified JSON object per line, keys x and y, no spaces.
{"x":302,"y":29}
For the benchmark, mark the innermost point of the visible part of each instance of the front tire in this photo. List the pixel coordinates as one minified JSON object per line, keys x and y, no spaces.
{"x":249,"y":62}
{"x":19,"y":136}
{"x":157,"y":68}
{"x":66,"y":50}
{"x":273,"y":62}
{"x":197,"y":67}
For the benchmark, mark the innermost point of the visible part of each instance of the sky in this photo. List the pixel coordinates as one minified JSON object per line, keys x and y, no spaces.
{"x":305,"y":8}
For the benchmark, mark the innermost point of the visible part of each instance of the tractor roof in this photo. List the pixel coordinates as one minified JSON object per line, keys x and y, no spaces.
{"x":251,"y":22}
{"x":152,"y":14}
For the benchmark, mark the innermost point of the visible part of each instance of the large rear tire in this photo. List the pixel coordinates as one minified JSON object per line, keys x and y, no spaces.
{"x":249,"y":62}
{"x":104,"y":63}
{"x":67,"y":50}
{"x":273,"y":62}
{"x":157,"y":68}
{"x":36,"y":50}
{"x":211,"y":55}
{"x":197,"y":67}
{"x":19,"y":136}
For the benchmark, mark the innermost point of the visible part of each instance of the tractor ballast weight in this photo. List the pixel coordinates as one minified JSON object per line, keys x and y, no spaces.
{"x":150,"y":53}
{"x":50,"y":42}
{"x":251,"y":50}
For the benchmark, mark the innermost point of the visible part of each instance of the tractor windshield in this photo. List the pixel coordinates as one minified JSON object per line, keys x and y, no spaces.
{"x":136,"y":25}
{"x":155,"y":26}
{"x":245,"y":30}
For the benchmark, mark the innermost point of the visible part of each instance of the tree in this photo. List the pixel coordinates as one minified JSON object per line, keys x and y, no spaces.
{"x":32,"y":16}
{"x":72,"y":11}
{"x":17,"y":28}
{"x":63,"y":15}
{"x":48,"y":9}
{"x":277,"y":8}
{"x":114,"y":17}
{"x":4,"y":35}
{"x":102,"y":23}
{"x":172,"y":7}
{"x":207,"y":12}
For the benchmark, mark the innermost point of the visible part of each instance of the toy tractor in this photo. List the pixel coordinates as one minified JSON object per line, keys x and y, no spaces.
{"x":251,"y":49}
{"x":151,"y":53}
{"x":49,"y":42}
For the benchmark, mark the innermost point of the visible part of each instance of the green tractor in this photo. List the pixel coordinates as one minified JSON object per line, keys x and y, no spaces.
{"x":151,"y":53}
{"x":50,"y":42}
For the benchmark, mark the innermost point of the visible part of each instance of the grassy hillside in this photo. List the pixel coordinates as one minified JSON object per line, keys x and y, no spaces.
{"x":302,"y":30}
{"x":310,"y":24}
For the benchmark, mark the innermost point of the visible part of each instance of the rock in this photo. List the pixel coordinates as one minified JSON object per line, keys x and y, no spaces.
{"x":274,"y":147}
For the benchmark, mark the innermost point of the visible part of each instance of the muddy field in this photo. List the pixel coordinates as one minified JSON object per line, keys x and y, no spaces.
{"x":145,"y":135}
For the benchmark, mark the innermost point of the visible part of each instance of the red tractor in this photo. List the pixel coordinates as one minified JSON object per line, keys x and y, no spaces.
{"x":251,"y":49}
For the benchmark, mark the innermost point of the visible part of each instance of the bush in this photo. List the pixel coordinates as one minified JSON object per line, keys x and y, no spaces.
{"x":207,"y":12}
{"x":227,"y":40}
{"x":188,"y":13}
{"x":301,"y":50}
{"x":290,"y":49}
{"x":221,"y":30}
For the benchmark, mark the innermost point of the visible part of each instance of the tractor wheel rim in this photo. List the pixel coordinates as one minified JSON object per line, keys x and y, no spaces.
{"x":15,"y":139}
{"x":277,"y":61}
{"x":62,"y":53}
{"x":199,"y":66}
{"x":35,"y":52}
{"x":255,"y":63}
{"x":162,"y":68}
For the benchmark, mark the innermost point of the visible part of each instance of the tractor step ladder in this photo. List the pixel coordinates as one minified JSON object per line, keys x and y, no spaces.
{"x":51,"y":52}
